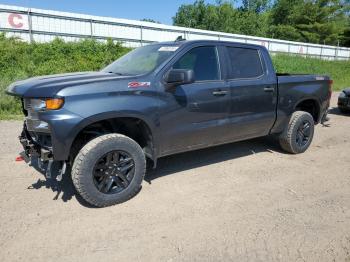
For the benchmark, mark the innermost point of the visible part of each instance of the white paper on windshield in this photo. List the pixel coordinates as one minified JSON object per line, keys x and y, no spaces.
{"x":168,"y":48}
{"x":319,"y":78}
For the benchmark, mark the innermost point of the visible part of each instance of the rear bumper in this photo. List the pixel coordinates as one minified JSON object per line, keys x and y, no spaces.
{"x":324,"y":117}
{"x":323,"y":112}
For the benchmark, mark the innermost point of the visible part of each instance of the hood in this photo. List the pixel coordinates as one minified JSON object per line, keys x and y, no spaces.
{"x":48,"y":86}
{"x":347,"y":91}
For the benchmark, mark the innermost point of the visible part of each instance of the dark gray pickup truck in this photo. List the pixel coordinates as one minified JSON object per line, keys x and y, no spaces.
{"x":158,"y":100}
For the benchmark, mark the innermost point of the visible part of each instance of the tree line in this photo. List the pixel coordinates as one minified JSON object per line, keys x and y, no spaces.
{"x":311,"y":21}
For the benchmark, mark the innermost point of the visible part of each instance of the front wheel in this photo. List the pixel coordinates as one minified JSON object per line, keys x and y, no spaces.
{"x":109,"y":170}
{"x":299,"y":133}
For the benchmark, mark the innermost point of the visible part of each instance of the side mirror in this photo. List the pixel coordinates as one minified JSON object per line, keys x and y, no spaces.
{"x":179,"y":77}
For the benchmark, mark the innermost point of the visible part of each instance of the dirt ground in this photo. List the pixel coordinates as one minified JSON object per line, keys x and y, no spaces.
{"x":246,"y":201}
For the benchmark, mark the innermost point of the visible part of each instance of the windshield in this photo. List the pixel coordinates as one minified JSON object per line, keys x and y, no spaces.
{"x":141,"y":60}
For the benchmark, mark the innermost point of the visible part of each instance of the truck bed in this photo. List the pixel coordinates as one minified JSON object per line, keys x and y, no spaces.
{"x":295,"y":88}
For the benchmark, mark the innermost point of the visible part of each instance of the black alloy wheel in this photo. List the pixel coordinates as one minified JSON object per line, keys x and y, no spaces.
{"x":298,"y":133}
{"x":109,"y":170}
{"x":303,"y":133}
{"x":113,"y":172}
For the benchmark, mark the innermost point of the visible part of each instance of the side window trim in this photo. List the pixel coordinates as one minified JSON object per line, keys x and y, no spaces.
{"x":217,"y":64}
{"x":246,"y":78}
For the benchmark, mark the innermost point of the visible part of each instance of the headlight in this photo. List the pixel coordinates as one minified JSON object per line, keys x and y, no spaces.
{"x":45,"y":104}
{"x":342,"y":95}
{"x":36,"y":104}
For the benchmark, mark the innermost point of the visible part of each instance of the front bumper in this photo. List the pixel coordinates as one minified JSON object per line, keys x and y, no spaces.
{"x":35,"y":145}
{"x":53,"y":142}
{"x":48,"y":134}
{"x":35,"y":150}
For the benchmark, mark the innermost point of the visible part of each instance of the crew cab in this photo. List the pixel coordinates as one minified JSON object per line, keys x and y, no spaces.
{"x":162,"y":99}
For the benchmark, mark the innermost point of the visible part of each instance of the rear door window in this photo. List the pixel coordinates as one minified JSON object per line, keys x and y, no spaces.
{"x":245,"y":63}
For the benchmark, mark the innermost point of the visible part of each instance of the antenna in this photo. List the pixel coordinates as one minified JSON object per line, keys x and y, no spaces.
{"x":180,"y":38}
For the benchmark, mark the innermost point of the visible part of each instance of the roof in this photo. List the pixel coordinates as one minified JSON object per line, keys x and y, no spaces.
{"x":188,"y":42}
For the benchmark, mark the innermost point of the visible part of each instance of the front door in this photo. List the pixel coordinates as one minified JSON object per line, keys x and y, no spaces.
{"x":195,"y":115}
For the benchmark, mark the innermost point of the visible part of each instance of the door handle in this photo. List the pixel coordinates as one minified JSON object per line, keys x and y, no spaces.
{"x":269,"y":89}
{"x":219,"y":93}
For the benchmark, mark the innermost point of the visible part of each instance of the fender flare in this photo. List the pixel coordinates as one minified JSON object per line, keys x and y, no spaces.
{"x":115,"y":114}
{"x":313,"y":98}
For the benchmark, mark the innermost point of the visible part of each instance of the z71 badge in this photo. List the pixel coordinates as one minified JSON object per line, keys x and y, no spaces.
{"x":138,"y":84}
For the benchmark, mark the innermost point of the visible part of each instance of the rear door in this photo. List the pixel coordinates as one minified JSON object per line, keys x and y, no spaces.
{"x":253,"y":93}
{"x":195,"y":115}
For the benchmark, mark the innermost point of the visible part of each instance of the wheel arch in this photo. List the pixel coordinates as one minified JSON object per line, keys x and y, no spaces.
{"x":310,"y":105}
{"x":108,"y":122}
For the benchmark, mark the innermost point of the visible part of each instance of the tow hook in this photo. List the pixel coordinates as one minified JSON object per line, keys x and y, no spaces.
{"x":22,"y":157}
{"x":19,"y":158}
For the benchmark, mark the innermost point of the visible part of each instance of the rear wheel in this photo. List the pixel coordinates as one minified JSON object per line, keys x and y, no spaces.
{"x":109,"y":170}
{"x":299,"y":133}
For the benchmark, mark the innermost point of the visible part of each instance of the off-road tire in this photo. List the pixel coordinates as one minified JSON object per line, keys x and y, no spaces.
{"x":287,"y":139}
{"x":82,"y":170}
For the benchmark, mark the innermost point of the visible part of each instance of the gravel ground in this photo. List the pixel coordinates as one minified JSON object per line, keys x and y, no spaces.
{"x":245,"y":201}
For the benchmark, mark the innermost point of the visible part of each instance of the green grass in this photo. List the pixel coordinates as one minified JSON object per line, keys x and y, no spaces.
{"x":339,"y":71}
{"x":20,"y":60}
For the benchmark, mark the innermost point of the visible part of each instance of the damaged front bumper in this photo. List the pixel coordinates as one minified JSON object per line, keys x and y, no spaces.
{"x":32,"y":147}
{"x":36,"y":147}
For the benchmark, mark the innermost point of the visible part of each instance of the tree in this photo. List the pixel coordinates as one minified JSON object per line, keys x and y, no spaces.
{"x":257,"y":6}
{"x":314,"y":21}
{"x":223,"y":16}
{"x":346,"y":37}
